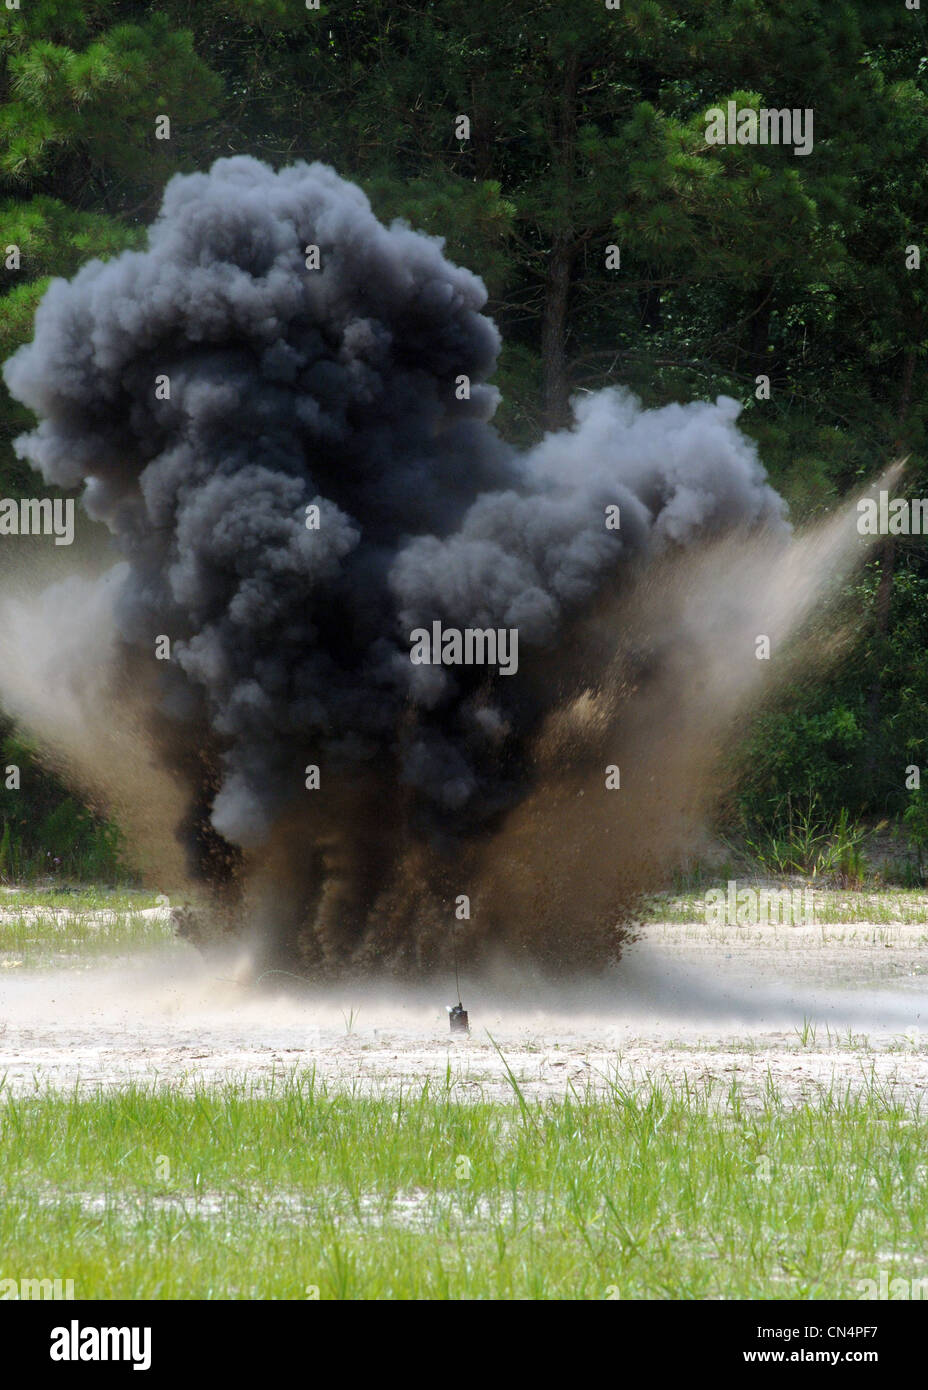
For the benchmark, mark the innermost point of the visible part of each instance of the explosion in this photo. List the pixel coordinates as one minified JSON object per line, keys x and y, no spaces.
{"x":281,"y":411}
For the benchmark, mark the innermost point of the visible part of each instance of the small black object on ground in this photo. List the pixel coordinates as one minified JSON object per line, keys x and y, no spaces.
{"x":458,"y":1016}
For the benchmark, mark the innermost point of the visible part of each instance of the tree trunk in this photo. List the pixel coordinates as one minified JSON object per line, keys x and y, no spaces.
{"x":482,"y":138}
{"x":762,"y":311}
{"x":884,"y":593}
{"x":650,"y":314}
{"x":554,"y":337}
{"x":756,"y":320}
{"x":561,"y":260}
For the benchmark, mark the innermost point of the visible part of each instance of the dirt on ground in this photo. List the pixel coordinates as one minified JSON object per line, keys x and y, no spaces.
{"x":808,"y":1010}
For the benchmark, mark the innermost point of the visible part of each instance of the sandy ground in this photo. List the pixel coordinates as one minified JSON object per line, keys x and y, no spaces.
{"x":810,"y":1009}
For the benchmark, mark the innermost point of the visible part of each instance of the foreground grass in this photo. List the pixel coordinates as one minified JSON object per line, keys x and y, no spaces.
{"x":234,"y":1193}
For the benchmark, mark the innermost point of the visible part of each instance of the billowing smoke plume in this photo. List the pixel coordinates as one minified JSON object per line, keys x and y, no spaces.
{"x":210,"y":392}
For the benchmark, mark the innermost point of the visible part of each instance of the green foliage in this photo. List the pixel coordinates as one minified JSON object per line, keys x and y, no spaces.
{"x":796,"y":748}
{"x":797,"y":837}
{"x":80,"y":119}
{"x":48,"y":833}
{"x":915,"y":819}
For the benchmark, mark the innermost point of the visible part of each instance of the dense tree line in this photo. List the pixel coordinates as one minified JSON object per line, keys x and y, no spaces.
{"x":587,"y":129}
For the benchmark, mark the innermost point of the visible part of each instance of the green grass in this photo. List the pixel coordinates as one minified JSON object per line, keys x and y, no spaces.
{"x":831,"y":907}
{"x":42,"y":928}
{"x":645,"y":1193}
{"x":80,"y":898}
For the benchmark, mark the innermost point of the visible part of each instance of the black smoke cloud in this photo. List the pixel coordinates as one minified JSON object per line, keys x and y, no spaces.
{"x":337,"y":387}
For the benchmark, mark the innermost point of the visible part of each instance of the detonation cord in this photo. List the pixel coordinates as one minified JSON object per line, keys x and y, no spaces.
{"x":454,"y":957}
{"x":253,"y":984}
{"x":305,"y":978}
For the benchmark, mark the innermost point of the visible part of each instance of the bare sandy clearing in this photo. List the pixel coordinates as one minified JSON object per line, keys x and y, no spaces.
{"x":808,"y":1010}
